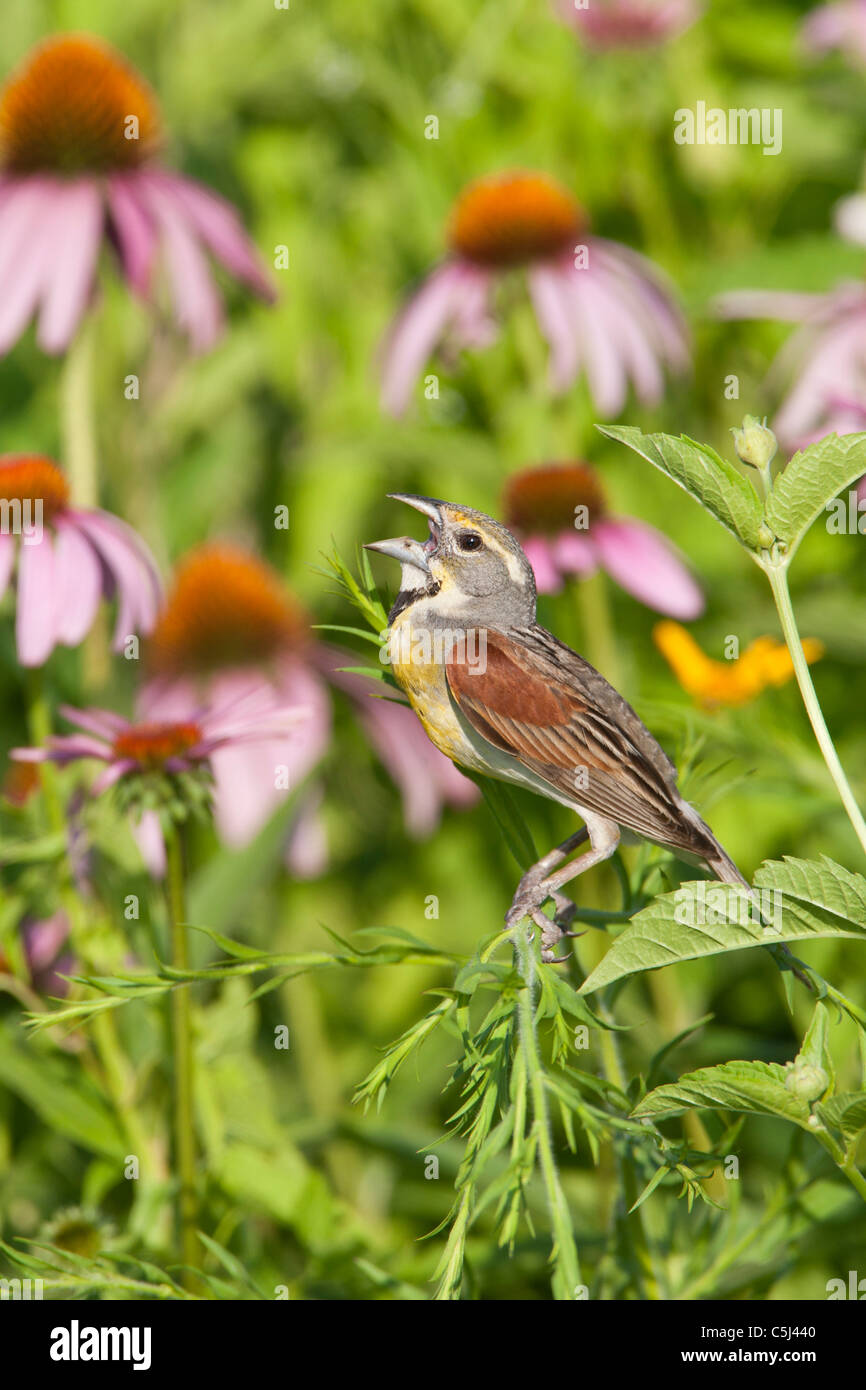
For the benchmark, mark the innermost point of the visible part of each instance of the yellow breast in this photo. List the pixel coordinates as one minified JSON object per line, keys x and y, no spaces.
{"x":420,"y":670}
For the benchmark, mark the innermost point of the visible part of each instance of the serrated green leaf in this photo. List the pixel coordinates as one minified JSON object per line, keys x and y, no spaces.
{"x":813,"y":478}
{"x":845,"y":1112}
{"x":819,"y":884}
{"x":815,"y":900}
{"x":707,"y":477}
{"x":756,"y":1088}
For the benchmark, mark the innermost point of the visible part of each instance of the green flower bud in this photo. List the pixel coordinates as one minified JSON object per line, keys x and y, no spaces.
{"x":806,"y":1081}
{"x":755,"y":443}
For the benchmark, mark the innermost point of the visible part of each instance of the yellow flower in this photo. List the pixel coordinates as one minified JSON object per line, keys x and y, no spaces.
{"x":764,"y":662}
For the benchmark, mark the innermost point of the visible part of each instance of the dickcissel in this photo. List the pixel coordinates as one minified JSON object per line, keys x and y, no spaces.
{"x":501,"y":696}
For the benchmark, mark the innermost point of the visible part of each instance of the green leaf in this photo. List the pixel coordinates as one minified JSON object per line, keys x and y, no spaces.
{"x":514,"y":829}
{"x":845,"y":1112}
{"x":802,"y":900}
{"x":756,"y":1088}
{"x":63,"y":1097}
{"x":707,"y":477}
{"x":702,"y":919}
{"x":33,"y":851}
{"x":821,"y":890}
{"x":812,"y":479}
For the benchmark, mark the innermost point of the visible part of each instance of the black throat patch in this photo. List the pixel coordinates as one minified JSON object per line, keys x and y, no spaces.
{"x":407,"y":597}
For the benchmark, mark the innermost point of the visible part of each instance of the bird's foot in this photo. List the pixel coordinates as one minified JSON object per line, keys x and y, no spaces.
{"x":528,"y":902}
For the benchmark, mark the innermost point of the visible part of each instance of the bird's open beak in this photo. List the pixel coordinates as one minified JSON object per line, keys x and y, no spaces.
{"x":404,"y":549}
{"x":429,"y":507}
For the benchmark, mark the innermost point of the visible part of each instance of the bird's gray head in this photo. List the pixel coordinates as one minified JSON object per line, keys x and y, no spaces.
{"x":471,"y":569}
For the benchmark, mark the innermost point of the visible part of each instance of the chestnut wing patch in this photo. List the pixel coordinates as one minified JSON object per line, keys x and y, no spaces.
{"x":521,"y":704}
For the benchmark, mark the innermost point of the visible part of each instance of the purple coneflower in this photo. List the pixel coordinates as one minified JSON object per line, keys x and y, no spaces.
{"x":559,"y":512}
{"x":604,"y":310}
{"x":68,"y":559}
{"x":79,"y":139}
{"x":826,"y":357}
{"x":841,"y":26}
{"x":230,"y":628}
{"x":628,"y":23}
{"x":135,"y":749}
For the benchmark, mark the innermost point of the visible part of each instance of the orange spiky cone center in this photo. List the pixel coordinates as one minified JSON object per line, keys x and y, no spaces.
{"x":76,"y":106}
{"x":226,"y":609}
{"x":151,"y":746}
{"x":33,"y":479}
{"x":511,"y":219}
{"x":544,"y":500}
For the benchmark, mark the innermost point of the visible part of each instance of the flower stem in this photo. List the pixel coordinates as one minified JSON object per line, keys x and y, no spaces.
{"x":777,"y":575}
{"x":77,"y":419}
{"x":597,"y":635}
{"x":634,"y":1220}
{"x":39,"y":729}
{"x":184,"y":1131}
{"x":565,"y":1249}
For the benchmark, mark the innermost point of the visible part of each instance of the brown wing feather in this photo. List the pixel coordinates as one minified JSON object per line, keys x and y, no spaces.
{"x":550,"y":709}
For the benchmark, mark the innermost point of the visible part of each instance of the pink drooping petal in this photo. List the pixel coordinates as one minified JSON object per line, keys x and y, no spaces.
{"x":220,"y":228}
{"x":251,"y":773}
{"x":841,"y":25}
{"x":306,"y":854}
{"x":112,"y":774}
{"x":78,"y":218}
{"x":574,"y":553}
{"x":828,"y":363}
{"x":404,"y":749}
{"x":424,"y":776}
{"x":849,"y":214}
{"x":615,"y":24}
{"x":148,"y":835}
{"x":64,"y":748}
{"x":43,"y":940}
{"x":8,"y":547}
{"x":420,"y":327}
{"x":551,"y":310}
{"x":130,"y":565}
{"x":539,"y":552}
{"x":648,"y":299}
{"x":645,"y":564}
{"x":632,"y":329}
{"x":252,"y":780}
{"x":596,"y":331}
{"x":77,"y":582}
{"x":24,"y":280}
{"x":198,"y":307}
{"x":788,"y":306}
{"x":102,"y":722}
{"x":35,"y":617}
{"x":135,"y":231}
{"x":25,"y":203}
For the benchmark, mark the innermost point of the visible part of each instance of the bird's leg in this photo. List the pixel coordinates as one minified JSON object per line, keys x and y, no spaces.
{"x":603,"y":838}
{"x":528,"y":898}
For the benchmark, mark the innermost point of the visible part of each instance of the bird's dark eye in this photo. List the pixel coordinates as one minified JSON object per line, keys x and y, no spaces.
{"x":469,"y":540}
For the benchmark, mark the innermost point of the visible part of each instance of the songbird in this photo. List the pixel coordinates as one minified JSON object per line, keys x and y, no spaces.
{"x":501,"y":696}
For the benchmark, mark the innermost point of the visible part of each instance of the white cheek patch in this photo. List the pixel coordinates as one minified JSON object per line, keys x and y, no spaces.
{"x":512,"y":562}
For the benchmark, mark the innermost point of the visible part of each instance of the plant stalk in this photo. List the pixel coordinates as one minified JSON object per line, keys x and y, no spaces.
{"x":777,"y":575}
{"x":560,"y":1218}
{"x":184,"y":1130}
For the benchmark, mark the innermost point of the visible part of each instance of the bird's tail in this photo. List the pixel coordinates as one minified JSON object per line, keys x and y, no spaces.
{"x":726,"y":871}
